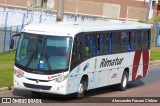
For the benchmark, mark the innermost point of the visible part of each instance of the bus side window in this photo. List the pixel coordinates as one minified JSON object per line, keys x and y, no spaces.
{"x":133,"y":36}
{"x":101,"y":40}
{"x":139,"y":40}
{"x":129,"y":42}
{"x":145,"y":40}
{"x":107,"y":43}
{"x":92,"y":50}
{"x":116,"y":43}
{"x":86,"y":45}
{"x":124,"y":41}
{"x":76,"y":49}
{"x":78,"y":52}
{"x":111,"y":43}
{"x":101,"y":43}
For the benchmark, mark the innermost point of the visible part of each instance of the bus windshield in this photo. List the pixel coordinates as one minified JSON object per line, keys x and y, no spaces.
{"x":43,"y":53}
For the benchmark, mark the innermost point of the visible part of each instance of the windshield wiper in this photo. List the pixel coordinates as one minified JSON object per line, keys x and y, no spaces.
{"x":31,"y":57}
{"x":46,"y":58}
{"x":44,"y":53}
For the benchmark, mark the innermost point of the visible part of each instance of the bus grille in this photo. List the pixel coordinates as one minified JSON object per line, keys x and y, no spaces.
{"x":39,"y":80}
{"x":37,"y":86}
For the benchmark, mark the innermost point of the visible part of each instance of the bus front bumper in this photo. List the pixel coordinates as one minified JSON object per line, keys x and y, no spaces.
{"x":40,"y":86}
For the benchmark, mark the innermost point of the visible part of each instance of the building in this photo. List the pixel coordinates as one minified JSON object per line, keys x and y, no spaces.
{"x":113,"y":9}
{"x":158,"y":8}
{"x":116,"y":9}
{"x":14,"y":3}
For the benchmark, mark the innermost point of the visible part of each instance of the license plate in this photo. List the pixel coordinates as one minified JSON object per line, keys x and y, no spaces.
{"x":36,"y":90}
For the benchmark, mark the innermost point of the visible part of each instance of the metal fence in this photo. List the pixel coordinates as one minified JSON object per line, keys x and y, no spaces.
{"x":6,"y":37}
{"x":12,"y":22}
{"x":157,"y":37}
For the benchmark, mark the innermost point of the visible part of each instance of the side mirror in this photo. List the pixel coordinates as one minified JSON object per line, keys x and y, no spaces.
{"x":12,"y":44}
{"x":12,"y":40}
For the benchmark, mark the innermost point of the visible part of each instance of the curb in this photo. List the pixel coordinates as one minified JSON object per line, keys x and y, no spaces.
{"x":155,"y":62}
{"x":9,"y":88}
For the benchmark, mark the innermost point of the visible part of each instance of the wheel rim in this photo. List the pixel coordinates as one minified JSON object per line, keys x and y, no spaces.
{"x":81,"y":89}
{"x":124,"y":81}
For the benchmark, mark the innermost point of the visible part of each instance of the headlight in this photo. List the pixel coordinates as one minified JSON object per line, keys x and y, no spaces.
{"x":60,"y":79}
{"x":17,"y":74}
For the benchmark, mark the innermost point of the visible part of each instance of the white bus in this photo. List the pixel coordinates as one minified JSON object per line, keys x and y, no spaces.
{"x":65,"y":58}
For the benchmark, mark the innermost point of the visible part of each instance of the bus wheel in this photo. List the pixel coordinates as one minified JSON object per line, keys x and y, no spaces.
{"x":81,"y":89}
{"x":124,"y":81}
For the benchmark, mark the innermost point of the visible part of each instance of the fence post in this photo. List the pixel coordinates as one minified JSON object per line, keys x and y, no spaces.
{"x":75,"y":18}
{"x":40,"y":18}
{"x":5,"y":26}
{"x":10,"y":38}
{"x":157,"y":34}
{"x":16,"y":38}
{"x":23,"y":21}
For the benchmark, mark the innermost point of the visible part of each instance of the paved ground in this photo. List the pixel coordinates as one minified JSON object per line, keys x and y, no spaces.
{"x":146,"y":87}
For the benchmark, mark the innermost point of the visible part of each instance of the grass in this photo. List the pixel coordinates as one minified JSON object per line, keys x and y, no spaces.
{"x":6,"y":68}
{"x":155,"y":53}
{"x":6,"y":76}
{"x":7,"y":61}
{"x":7,"y":58}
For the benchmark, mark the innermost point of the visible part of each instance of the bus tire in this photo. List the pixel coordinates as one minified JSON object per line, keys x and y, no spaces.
{"x":124,"y":81}
{"x":81,"y":89}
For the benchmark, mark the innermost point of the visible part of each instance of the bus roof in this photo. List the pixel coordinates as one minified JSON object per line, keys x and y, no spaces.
{"x":71,"y":29}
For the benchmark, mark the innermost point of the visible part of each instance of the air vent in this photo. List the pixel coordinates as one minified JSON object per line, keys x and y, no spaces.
{"x":37,"y":86}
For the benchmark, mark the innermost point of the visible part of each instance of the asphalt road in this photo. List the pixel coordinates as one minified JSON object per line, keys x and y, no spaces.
{"x":145,"y":87}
